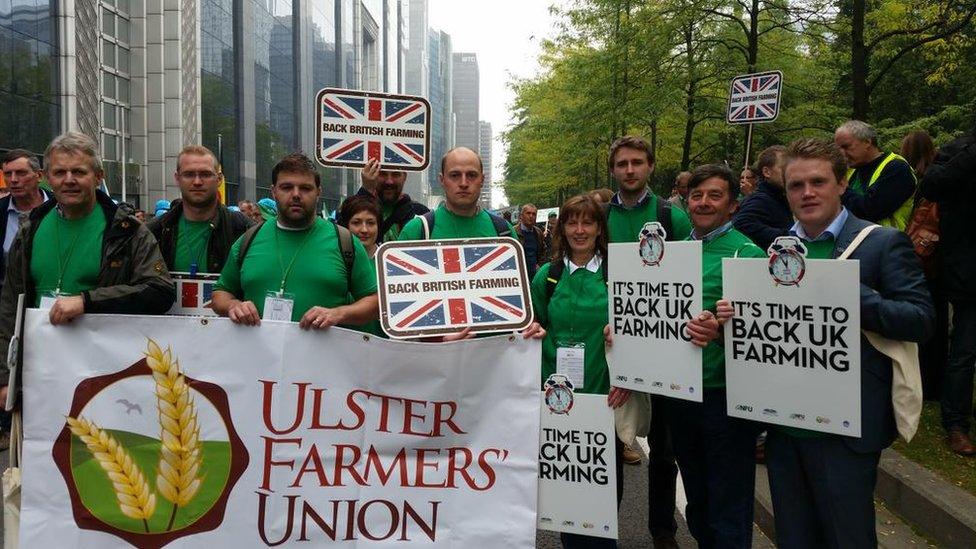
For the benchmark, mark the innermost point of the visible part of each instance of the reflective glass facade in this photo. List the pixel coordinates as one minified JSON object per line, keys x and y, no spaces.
{"x":274,"y":87}
{"x":218,"y":88}
{"x":29,"y":104}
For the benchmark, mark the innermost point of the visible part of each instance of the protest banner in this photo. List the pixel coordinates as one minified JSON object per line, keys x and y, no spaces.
{"x":194,"y":294}
{"x":356,"y":126}
{"x":441,"y":287}
{"x":577,"y":463}
{"x":655,"y":288}
{"x":148,"y":430}
{"x":793,"y":348}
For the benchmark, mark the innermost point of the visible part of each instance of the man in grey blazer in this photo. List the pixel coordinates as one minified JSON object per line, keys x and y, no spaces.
{"x":822,"y":485}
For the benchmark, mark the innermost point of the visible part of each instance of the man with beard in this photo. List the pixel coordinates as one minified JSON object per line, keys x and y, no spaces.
{"x":397,"y":207}
{"x":196,"y":234}
{"x":299,"y":268}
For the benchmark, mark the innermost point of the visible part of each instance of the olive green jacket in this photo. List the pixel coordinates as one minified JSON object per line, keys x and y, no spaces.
{"x":133,"y":278}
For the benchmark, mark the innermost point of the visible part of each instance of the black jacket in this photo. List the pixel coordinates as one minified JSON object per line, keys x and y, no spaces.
{"x":132,"y":279}
{"x":404,"y":210}
{"x":951,"y":182}
{"x":226,"y":228}
{"x":764,"y":215}
{"x":4,"y":205}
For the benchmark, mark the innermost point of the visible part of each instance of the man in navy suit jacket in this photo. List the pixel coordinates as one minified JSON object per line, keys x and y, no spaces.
{"x":822,"y":485}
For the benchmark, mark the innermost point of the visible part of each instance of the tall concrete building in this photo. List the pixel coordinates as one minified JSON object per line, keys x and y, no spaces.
{"x":147,"y":78}
{"x":417,"y":83}
{"x":465,"y":96}
{"x":484,"y":139}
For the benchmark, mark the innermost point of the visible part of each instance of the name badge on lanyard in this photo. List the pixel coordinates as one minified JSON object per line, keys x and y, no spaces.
{"x":278,"y":306}
{"x":569,"y":362}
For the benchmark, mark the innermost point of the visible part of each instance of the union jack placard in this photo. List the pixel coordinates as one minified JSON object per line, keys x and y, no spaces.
{"x":355,"y":126}
{"x":194,"y":294}
{"x":440,"y":287}
{"x":755,"y":98}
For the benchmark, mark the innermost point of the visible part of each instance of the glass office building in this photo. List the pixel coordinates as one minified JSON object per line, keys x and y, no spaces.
{"x":30,"y":108}
{"x":145,"y":79}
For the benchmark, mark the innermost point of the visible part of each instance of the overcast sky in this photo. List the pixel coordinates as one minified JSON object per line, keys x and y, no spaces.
{"x":505,"y":34}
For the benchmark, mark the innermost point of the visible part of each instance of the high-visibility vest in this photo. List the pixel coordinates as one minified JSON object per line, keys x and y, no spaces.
{"x":899,"y":219}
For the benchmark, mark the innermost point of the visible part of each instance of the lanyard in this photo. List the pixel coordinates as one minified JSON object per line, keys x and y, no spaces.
{"x":63,"y":265}
{"x":200,"y":244}
{"x":281,"y":262}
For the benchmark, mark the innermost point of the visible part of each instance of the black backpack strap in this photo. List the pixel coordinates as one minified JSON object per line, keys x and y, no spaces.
{"x":502,"y":228}
{"x":427,"y":222}
{"x":246,"y":241}
{"x":556,"y":267}
{"x":664,"y":217}
{"x":347,"y":250}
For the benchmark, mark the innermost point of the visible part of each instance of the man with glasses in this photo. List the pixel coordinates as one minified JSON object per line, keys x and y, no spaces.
{"x":196,"y":234}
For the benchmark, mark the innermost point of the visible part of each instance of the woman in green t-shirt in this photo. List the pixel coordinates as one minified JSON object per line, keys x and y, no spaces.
{"x":569,"y":296}
{"x":361,"y":215}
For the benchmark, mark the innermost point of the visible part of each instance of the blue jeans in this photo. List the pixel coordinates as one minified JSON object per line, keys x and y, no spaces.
{"x":717,"y":457}
{"x":957,"y":385}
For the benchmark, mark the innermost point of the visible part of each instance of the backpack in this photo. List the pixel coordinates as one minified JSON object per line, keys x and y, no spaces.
{"x":556,"y":269}
{"x":502,"y":228}
{"x":923,"y":230}
{"x":346,"y":249}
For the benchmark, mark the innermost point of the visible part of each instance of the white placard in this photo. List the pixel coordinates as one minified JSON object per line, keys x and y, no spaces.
{"x":321,"y":438}
{"x":649,"y":306}
{"x":577,"y":468}
{"x":793,"y":352}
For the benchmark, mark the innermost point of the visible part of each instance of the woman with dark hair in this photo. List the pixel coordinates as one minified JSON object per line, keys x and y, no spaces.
{"x":569,"y":296}
{"x":361,"y":215}
{"x":919,"y":150}
{"x":747,"y":181}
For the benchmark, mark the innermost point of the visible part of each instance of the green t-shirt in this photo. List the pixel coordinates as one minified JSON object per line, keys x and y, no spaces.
{"x":450,"y":225}
{"x":192,"y":239}
{"x":625,"y":224}
{"x":69,"y":250}
{"x":729,"y":244}
{"x":317,"y":276}
{"x":393,"y":232}
{"x":577,"y":313}
{"x":372,"y":327}
{"x":821,"y":249}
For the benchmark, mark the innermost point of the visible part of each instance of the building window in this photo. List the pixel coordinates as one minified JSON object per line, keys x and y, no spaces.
{"x":115,"y":79}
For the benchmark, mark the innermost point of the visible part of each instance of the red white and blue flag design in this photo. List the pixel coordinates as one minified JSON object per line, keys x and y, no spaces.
{"x":194,"y":294}
{"x":755,"y":98}
{"x":355,"y":126}
{"x":428,"y":288}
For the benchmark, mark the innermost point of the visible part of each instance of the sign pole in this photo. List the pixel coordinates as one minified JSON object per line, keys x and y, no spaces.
{"x":748,"y":144}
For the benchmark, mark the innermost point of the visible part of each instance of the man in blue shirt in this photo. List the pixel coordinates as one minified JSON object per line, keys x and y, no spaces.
{"x":533,"y":241}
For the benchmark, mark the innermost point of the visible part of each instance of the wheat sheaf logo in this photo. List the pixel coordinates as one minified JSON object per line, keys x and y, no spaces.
{"x":149,"y":478}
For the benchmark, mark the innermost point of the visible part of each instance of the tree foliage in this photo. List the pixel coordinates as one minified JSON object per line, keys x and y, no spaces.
{"x":661,"y":69}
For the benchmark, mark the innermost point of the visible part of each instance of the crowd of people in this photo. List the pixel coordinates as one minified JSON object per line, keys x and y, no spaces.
{"x":74,"y":251}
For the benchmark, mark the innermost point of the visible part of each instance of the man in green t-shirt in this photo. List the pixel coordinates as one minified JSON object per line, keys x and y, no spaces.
{"x":716,"y":453}
{"x":631,"y":163}
{"x":293,"y":267}
{"x":196,"y":234}
{"x":81,"y":253}
{"x":461,"y":215}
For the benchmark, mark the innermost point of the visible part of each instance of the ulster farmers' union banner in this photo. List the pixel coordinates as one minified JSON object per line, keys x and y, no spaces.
{"x":148,"y":430}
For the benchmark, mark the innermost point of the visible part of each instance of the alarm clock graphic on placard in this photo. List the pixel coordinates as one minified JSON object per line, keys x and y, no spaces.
{"x":559,"y":394}
{"x":651,"y":243}
{"x":787,"y":260}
